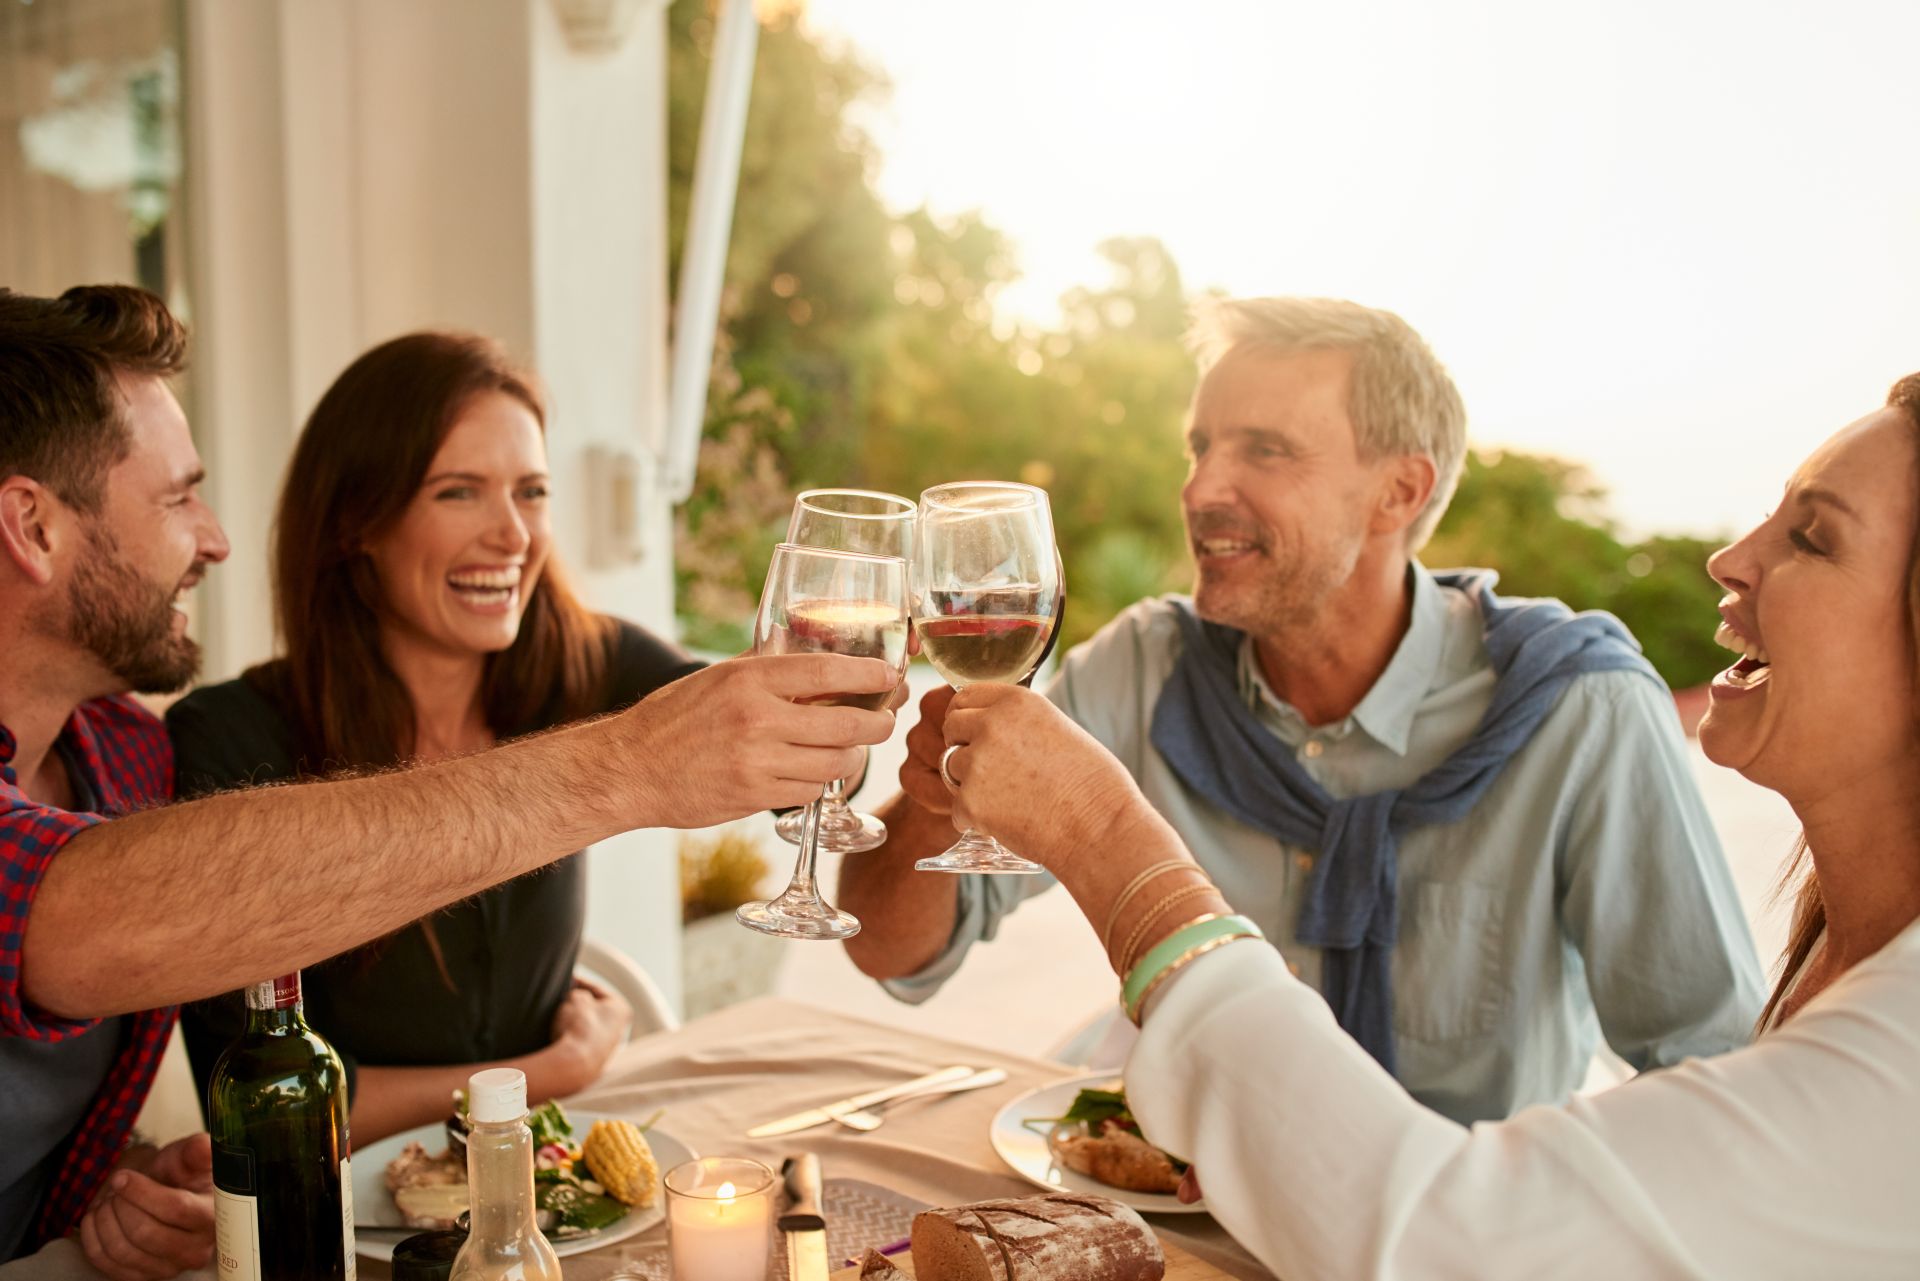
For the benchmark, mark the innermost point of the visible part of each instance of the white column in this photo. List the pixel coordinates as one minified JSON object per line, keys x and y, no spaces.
{"x":599,"y":200}
{"x":242,"y":412}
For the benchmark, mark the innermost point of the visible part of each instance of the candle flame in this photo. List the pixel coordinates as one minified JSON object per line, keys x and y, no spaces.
{"x":726,"y":1191}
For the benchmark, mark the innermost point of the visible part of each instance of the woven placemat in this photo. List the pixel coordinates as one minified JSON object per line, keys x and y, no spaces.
{"x":858,"y":1214}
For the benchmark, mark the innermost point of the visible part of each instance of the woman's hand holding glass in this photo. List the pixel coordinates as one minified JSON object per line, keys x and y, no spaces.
{"x":819,"y":601}
{"x":987,"y":598}
{"x":1026,"y":773}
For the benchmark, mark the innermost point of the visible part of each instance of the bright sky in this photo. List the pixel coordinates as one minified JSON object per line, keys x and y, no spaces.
{"x":1676,"y":239}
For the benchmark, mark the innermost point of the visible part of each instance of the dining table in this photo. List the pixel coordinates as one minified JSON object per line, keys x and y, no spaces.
{"x":716,"y":1077}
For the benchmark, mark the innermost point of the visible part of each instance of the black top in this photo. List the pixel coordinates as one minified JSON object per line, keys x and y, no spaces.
{"x":506,"y":956}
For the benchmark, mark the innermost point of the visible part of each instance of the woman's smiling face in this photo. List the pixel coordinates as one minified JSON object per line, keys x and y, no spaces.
{"x":1818,"y":602}
{"x":458,"y":568}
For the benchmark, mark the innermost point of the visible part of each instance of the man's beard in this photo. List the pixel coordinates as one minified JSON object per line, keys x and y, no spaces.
{"x":126,"y":622}
{"x":1291,"y":592}
{"x":1287,"y":599}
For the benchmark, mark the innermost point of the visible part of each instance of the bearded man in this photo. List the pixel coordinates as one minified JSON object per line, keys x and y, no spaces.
{"x":1468,"y":820}
{"x":115,"y":907}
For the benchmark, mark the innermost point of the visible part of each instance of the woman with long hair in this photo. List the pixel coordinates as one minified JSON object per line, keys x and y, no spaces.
{"x":421,"y":613}
{"x":1791,"y":1157}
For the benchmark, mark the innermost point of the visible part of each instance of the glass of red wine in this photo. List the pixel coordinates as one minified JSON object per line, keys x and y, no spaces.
{"x":818,"y":601}
{"x":986,"y":584}
{"x":847,"y":520}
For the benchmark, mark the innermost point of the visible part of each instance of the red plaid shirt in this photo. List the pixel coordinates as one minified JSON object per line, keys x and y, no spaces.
{"x":128,"y":761}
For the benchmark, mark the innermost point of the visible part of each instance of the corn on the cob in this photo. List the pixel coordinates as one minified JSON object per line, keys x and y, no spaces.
{"x":617,"y":1154}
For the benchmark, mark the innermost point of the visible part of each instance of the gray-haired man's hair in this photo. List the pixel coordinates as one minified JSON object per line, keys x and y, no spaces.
{"x":1401,"y":401}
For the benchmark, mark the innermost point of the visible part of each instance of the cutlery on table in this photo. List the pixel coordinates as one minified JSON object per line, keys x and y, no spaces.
{"x":804,"y":1225}
{"x":824,"y":1115}
{"x":868,"y":1118}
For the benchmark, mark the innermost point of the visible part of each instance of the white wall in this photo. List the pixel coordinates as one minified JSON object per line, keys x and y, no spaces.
{"x":361,"y":168}
{"x":599,"y":224}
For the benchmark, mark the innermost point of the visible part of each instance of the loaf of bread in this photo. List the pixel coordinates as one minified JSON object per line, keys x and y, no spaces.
{"x":1058,"y":1237}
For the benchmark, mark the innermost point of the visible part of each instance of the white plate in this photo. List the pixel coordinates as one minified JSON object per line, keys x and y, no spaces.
{"x":372,"y":1201}
{"x":1026,"y":1149}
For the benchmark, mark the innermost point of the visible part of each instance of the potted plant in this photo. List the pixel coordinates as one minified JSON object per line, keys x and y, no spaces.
{"x":721,"y":962}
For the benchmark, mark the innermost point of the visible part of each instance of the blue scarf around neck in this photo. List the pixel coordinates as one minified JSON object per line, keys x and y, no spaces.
{"x":1206,"y":732}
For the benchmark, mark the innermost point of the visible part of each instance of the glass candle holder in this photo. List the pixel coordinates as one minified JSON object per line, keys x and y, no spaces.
{"x":719,"y":1219}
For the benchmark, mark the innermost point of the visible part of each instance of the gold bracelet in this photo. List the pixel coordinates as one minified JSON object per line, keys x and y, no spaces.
{"x":1175,"y":966}
{"x":1133,"y":887}
{"x":1158,"y":910}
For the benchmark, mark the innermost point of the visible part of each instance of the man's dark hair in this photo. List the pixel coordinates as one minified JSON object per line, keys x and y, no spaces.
{"x":60,"y":416}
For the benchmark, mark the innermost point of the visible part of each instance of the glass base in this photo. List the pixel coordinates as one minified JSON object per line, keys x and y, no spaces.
{"x":789,"y":919}
{"x":842,"y":830}
{"x":976,"y":853}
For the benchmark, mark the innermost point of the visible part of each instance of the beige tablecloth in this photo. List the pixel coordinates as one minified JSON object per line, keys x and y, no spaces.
{"x":759,"y":1060}
{"x":763,"y":1059}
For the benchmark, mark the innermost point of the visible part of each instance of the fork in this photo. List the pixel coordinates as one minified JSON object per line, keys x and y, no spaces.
{"x":868,"y":1119}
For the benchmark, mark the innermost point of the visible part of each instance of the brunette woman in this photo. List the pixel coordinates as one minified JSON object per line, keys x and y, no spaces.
{"x":422,"y":613}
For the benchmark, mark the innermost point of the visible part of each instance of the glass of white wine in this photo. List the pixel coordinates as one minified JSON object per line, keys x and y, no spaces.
{"x":875,"y":524}
{"x":826,"y":602}
{"x":986,"y":583}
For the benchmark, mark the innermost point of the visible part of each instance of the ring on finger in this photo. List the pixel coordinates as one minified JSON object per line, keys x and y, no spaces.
{"x":945,"y":775}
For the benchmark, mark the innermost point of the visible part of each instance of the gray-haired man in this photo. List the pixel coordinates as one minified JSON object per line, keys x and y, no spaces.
{"x":1456,"y":815}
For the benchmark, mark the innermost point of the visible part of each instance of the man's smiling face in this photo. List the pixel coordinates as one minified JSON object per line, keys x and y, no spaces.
{"x":150,"y":543}
{"x":1277,"y":499}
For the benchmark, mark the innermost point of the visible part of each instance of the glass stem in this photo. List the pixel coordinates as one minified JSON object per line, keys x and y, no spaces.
{"x":835,"y":795}
{"x":802,"y":885}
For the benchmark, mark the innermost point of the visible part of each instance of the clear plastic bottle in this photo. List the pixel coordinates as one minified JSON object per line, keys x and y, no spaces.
{"x":505,"y":1244}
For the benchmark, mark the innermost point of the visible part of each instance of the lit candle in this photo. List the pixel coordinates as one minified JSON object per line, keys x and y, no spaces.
{"x":719,"y":1218}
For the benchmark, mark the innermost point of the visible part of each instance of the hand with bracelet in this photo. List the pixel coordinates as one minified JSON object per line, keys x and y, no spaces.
{"x":1021,"y":771}
{"x":1025,"y":773}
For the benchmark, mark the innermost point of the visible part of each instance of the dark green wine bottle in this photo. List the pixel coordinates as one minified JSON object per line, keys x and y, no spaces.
{"x":283,"y":1185}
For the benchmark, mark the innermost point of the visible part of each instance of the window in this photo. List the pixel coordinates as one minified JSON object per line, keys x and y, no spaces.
{"x":90,"y":145}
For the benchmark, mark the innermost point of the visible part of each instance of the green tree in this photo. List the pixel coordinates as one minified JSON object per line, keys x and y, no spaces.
{"x":1540,"y":522}
{"x":861,"y":348}
{"x":807,"y":284}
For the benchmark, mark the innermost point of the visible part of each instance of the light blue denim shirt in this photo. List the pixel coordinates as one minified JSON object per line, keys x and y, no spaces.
{"x":1585,"y":895}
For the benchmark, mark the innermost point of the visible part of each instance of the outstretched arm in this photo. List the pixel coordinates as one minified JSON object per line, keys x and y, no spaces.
{"x":187,"y":901}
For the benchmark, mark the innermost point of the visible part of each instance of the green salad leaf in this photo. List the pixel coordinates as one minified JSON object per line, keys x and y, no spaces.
{"x":550,"y":1125}
{"x":578,"y":1209}
{"x":1094,"y":1107}
{"x":1091,"y":1108}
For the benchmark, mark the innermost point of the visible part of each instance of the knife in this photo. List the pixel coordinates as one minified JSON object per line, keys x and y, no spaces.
{"x":803,"y":1225}
{"x":822,"y":1115}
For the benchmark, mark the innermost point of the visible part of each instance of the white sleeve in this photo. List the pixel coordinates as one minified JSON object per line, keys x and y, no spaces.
{"x":1791,"y":1158}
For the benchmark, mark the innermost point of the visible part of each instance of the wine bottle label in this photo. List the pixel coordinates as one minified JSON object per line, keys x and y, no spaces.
{"x":346,"y":1216}
{"x":236,"y":1215}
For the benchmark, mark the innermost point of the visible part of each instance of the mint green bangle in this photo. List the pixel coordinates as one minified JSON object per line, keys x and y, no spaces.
{"x":1176,"y":945}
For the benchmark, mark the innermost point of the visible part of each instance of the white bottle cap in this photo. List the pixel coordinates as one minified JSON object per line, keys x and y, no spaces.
{"x":497,"y":1094}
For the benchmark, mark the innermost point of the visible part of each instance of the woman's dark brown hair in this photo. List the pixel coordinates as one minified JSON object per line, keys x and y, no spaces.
{"x":360,"y":461}
{"x":1809,"y":908}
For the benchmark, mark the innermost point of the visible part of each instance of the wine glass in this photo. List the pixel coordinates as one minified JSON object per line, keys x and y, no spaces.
{"x":818,"y":601}
{"x":847,"y":520}
{"x":986,"y":582}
